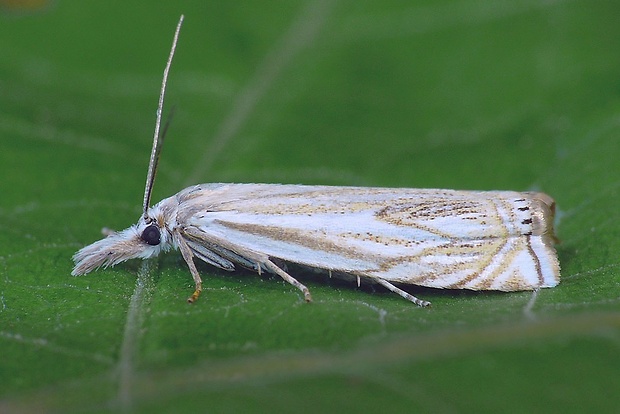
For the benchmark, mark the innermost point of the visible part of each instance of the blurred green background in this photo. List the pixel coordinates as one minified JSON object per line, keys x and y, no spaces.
{"x":466,"y":94}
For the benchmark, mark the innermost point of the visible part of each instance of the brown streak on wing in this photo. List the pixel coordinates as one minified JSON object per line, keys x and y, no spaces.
{"x":299,"y":237}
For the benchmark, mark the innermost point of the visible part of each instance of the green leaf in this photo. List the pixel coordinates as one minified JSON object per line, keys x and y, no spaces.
{"x":519,"y":95}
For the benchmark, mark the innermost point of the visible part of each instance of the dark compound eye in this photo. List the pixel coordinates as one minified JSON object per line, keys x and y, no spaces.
{"x":151,"y":235}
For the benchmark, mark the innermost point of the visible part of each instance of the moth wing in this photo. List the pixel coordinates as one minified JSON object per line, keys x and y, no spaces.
{"x":436,"y":238}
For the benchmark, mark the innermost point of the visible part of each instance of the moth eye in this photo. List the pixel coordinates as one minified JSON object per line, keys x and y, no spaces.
{"x":151,"y":235}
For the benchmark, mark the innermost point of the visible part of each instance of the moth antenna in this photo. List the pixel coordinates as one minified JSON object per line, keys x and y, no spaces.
{"x":157,"y":140}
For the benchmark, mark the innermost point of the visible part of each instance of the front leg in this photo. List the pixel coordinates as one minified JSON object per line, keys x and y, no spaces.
{"x":187,"y":254}
{"x":230,"y":252}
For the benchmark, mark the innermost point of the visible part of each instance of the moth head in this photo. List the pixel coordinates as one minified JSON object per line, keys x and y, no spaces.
{"x":145,"y":239}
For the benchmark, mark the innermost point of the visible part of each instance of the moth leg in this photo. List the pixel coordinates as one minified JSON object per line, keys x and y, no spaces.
{"x":271,"y":266}
{"x":402,"y":293}
{"x":189,"y":259}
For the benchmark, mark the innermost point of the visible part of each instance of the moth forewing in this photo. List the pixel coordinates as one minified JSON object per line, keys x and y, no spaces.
{"x":435,"y":238}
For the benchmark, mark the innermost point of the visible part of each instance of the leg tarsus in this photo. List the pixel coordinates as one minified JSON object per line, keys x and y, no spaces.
{"x":402,"y":293}
{"x":196,"y":293}
{"x":269,"y":265}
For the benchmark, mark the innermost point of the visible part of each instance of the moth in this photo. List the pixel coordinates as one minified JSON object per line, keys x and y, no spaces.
{"x":494,"y":240}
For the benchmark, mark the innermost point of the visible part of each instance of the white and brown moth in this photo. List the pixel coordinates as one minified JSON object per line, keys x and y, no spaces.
{"x":495,"y":240}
